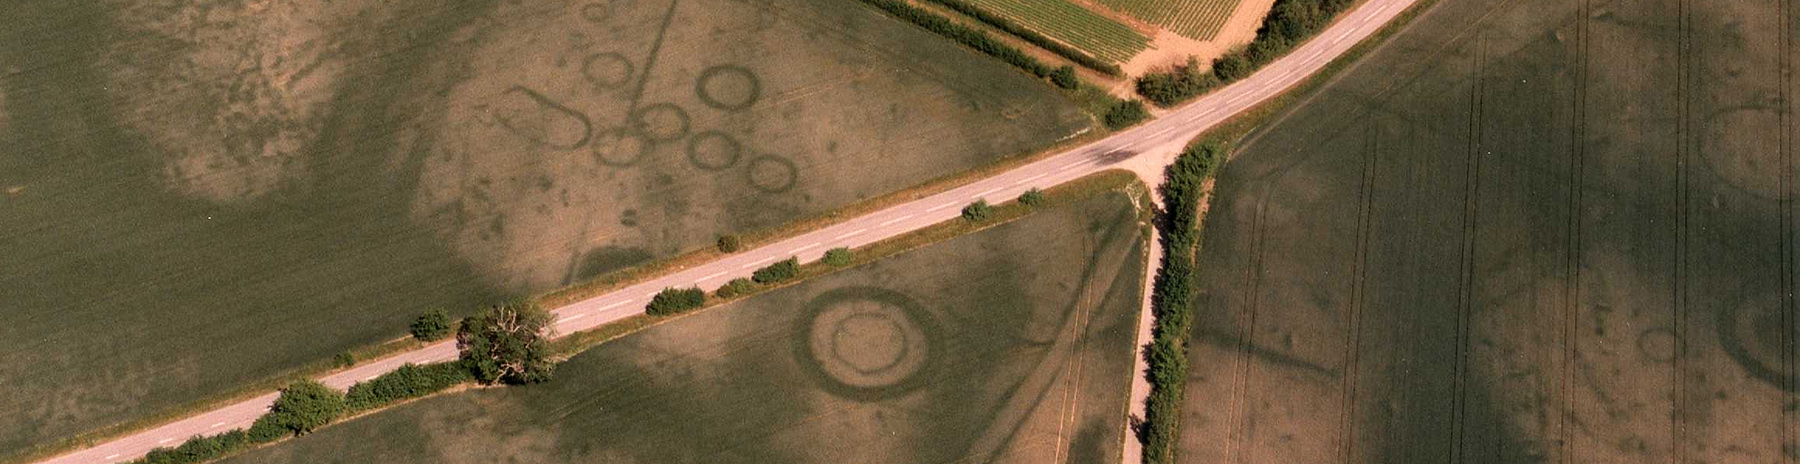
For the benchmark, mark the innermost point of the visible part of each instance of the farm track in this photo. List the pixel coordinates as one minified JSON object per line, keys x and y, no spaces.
{"x":1158,"y":140}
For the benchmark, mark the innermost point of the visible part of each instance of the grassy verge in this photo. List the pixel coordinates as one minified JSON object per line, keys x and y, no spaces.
{"x":434,"y":379}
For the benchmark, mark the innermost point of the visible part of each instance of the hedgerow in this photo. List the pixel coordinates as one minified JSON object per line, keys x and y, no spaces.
{"x":1046,"y":43}
{"x":780,"y":271}
{"x":1172,"y":298}
{"x":675,"y":300}
{"x":409,"y":381}
{"x":1289,"y":22}
{"x":968,"y":36}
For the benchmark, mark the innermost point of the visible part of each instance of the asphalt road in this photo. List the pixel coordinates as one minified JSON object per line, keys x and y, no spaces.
{"x":1152,"y":139}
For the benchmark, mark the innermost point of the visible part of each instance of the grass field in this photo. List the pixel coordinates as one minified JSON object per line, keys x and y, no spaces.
{"x":1082,"y":28}
{"x":1194,"y":19}
{"x":1534,"y":231}
{"x":1009,"y":345}
{"x":197,"y":195}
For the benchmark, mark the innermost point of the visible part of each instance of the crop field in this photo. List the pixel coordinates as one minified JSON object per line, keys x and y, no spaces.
{"x":1082,"y":28}
{"x":198,"y":194}
{"x":1520,"y":232}
{"x":1194,"y":19}
{"x":1010,"y":345}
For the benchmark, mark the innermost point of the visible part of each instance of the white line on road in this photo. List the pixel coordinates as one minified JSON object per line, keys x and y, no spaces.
{"x":214,"y":426}
{"x":985,"y":192}
{"x":614,"y":304}
{"x":165,"y":440}
{"x":1032,"y":178}
{"x":804,"y":248}
{"x":757,"y":262}
{"x":570,"y":318}
{"x":849,"y":234}
{"x":894,"y":220}
{"x":372,"y":377}
{"x":709,"y":276}
{"x":1069,"y":166}
{"x":938,"y":207}
{"x":110,"y":456}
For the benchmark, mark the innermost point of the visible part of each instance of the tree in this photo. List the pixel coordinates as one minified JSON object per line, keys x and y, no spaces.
{"x":977,"y":211}
{"x":304,"y":406}
{"x":735,"y":287}
{"x":432,"y":326}
{"x":1064,"y":77}
{"x":730,"y":243}
{"x":507,"y":343}
{"x":674,"y":300}
{"x":839,"y":256}
{"x":1125,"y":113}
{"x":780,"y":271}
{"x":1033,"y":197}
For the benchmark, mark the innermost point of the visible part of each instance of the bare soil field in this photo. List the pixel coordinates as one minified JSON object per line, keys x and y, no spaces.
{"x":1011,"y":345}
{"x":199,"y":194}
{"x":1523,"y":231}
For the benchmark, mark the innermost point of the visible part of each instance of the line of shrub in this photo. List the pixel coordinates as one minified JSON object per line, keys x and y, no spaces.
{"x":1172,"y":298}
{"x":778,"y":272}
{"x":1022,"y":32}
{"x":675,"y":300}
{"x":971,"y":37}
{"x":1289,"y":22}
{"x":407,"y":382}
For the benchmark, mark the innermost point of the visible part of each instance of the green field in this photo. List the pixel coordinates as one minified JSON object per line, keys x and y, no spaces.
{"x":1079,"y":27}
{"x":1194,"y":19}
{"x":1534,"y":231}
{"x":197,"y":195}
{"x":1010,"y":345}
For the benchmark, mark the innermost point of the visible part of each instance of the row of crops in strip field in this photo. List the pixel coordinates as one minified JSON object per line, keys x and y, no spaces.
{"x":1194,"y":19}
{"x":1103,"y":37}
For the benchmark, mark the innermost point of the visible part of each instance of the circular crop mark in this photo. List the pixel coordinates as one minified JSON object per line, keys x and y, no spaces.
{"x":595,"y":12}
{"x":620,"y":147}
{"x":713,"y":150}
{"x":866,"y":343}
{"x":1759,"y":340}
{"x":771,"y":174}
{"x":1658,"y":344}
{"x":727,"y":87}
{"x":606,"y":70}
{"x":661,"y":122}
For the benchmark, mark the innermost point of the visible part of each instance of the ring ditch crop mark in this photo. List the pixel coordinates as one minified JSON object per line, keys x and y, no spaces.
{"x":606,"y":70}
{"x":595,"y":12}
{"x":716,"y":83}
{"x":771,"y":174}
{"x":713,"y":150}
{"x":620,"y":147}
{"x":898,"y":350}
{"x":1659,"y":344}
{"x":661,"y":122}
{"x":537,"y":136}
{"x":1758,"y":337}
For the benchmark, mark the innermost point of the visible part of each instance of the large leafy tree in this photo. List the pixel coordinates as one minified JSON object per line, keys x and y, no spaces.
{"x":507,"y":343}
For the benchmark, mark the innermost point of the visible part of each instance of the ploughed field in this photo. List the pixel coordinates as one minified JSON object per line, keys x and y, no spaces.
{"x":1013,"y":344}
{"x":1525,"y":231}
{"x":194,"y":196}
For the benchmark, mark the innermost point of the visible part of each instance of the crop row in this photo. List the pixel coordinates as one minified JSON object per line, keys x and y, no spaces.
{"x":1194,"y":19}
{"x":1080,"y":27}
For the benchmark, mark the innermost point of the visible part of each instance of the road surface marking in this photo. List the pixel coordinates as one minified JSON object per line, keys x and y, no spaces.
{"x":894,"y":220}
{"x":114,"y":455}
{"x":1032,"y":178}
{"x":610,"y":306}
{"x":709,"y":276}
{"x":165,"y":440}
{"x":1068,"y":166}
{"x":216,"y":425}
{"x":849,"y":234}
{"x":942,"y":206}
{"x":804,"y":248}
{"x":755,"y":263}
{"x":570,"y":318}
{"x":985,"y":192}
{"x":372,"y":377}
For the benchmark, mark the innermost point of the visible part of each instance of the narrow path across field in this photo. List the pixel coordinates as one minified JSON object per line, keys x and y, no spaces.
{"x":1153,"y":139}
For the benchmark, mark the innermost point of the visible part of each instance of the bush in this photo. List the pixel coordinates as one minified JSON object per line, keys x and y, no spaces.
{"x":432,"y":326}
{"x":1289,"y":22}
{"x":977,"y":211}
{"x":730,"y":243}
{"x":198,"y":449}
{"x":344,"y":359}
{"x":1176,"y":85}
{"x":1171,"y":299}
{"x":839,"y":256}
{"x":1064,"y":77}
{"x":1125,"y":113}
{"x":736,"y":287}
{"x":266,"y":429}
{"x":1233,"y":65}
{"x":409,"y":381}
{"x":970,"y":37}
{"x":305,"y":406}
{"x":1033,"y":197}
{"x":1046,"y":43}
{"x":674,"y":300}
{"x":780,"y":271}
{"x":507,"y":343}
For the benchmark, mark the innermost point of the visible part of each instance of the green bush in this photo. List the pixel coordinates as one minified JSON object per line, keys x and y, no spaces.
{"x":674,"y":300}
{"x":1172,"y":299}
{"x":266,"y":429}
{"x":1001,"y":23}
{"x":198,"y":449}
{"x":977,"y":211}
{"x":970,"y":37}
{"x":839,"y":256}
{"x":736,"y":287}
{"x":1064,"y":76}
{"x":1125,"y":113}
{"x":780,"y":271}
{"x":730,"y":243}
{"x":434,"y":325}
{"x":305,"y":406}
{"x":1176,"y":85}
{"x":1033,"y":197}
{"x":1289,"y":22}
{"x":409,"y":381}
{"x":344,"y":359}
{"x":507,"y":343}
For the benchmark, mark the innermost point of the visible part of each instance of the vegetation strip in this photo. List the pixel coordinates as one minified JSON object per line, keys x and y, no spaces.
{"x":1172,"y":297}
{"x":306,"y":405}
{"x":1290,"y":22}
{"x":1022,"y":32}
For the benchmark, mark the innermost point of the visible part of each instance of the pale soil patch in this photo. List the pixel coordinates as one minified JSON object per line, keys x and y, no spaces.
{"x":1170,"y":49}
